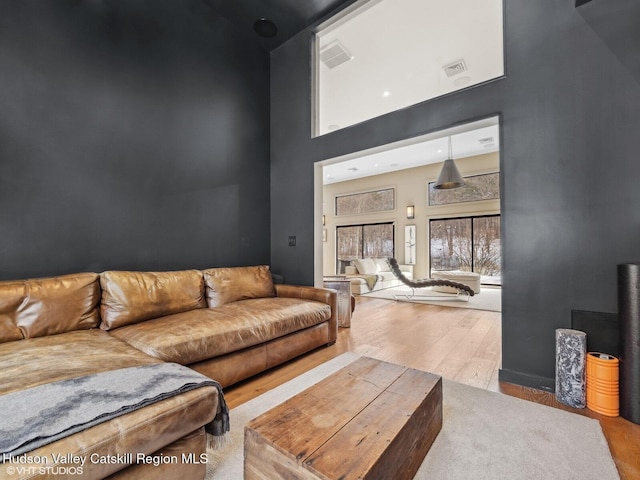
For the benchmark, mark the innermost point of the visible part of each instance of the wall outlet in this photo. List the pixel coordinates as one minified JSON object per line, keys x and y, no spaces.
{"x":292,"y":240}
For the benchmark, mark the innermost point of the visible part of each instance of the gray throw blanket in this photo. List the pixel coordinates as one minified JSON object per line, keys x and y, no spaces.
{"x":370,"y":279}
{"x":40,"y":415}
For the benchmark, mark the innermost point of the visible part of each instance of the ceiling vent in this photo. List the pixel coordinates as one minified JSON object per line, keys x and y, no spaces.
{"x":334,"y":54}
{"x":455,"y":68}
{"x":485,"y":141}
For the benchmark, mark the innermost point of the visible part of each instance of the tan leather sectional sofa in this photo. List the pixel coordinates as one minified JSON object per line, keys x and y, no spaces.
{"x":227,"y":323}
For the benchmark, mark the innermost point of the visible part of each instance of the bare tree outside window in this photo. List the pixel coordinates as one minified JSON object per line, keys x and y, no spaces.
{"x":451,"y":244}
{"x":486,"y":248}
{"x":378,"y":240}
{"x":367,"y":202}
{"x":349,"y":242}
{"x":470,"y":244}
{"x":360,"y":241}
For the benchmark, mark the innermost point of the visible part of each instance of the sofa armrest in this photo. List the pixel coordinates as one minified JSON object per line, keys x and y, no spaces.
{"x":324,"y":295}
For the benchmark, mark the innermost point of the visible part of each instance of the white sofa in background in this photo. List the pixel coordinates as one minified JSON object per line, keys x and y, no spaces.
{"x":371,"y":274}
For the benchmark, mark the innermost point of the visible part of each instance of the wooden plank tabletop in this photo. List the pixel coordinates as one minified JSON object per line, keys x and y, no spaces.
{"x":349,"y":425}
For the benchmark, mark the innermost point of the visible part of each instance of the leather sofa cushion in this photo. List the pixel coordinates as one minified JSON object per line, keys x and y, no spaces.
{"x":12,"y":294}
{"x":48,"y":306}
{"x":80,"y":353}
{"x":225,"y":285}
{"x":198,"y":335}
{"x":36,"y":361}
{"x":192,"y":445}
{"x":131,"y":297}
{"x":144,"y":431}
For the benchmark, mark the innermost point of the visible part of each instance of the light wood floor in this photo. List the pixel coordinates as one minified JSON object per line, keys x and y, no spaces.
{"x":460,"y":344}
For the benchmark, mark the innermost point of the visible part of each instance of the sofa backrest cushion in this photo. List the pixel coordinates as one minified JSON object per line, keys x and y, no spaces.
{"x":381,"y":265}
{"x":226,"y":285}
{"x":132,"y":297}
{"x":365,"y":266}
{"x":47,"y":306}
{"x":12,"y":294}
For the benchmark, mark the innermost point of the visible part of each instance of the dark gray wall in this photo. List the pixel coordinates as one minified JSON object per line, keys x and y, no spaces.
{"x":570,"y":165}
{"x":133,"y":135}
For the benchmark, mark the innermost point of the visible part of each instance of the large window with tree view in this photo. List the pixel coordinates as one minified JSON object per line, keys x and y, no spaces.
{"x":470,"y":244}
{"x":360,"y":241}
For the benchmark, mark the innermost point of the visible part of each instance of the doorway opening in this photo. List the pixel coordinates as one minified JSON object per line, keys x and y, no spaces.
{"x":407,"y":168}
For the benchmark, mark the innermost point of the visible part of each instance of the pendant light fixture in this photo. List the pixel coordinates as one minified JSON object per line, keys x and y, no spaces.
{"x":449,"y":175}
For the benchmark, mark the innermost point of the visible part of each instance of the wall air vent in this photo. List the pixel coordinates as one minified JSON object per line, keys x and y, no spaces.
{"x":454,"y":68}
{"x":485,"y":140}
{"x":334,"y":54}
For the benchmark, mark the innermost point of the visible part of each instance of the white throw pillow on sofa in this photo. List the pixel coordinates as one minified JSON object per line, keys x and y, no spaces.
{"x":365,"y":266}
{"x":381,"y":264}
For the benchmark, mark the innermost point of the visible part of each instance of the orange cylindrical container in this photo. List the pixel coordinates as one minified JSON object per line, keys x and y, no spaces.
{"x":603,"y":384}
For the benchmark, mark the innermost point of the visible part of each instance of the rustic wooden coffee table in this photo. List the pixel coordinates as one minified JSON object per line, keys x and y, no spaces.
{"x":369,"y":420}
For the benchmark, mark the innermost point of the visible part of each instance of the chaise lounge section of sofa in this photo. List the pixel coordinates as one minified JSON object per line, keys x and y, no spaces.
{"x":227,"y":323}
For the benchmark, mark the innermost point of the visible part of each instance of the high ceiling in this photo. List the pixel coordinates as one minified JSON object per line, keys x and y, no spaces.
{"x":397,"y":53}
{"x":289,"y":16}
{"x":468,"y":140}
{"x":292,"y":16}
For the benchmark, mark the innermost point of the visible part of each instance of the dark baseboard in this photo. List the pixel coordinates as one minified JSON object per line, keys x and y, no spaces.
{"x":541,"y":383}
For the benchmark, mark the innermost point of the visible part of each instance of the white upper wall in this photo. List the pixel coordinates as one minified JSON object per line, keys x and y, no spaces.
{"x":399,"y":49}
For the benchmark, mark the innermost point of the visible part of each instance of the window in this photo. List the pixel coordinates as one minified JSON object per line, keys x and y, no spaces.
{"x":378,"y":56}
{"x":470,"y":244}
{"x":360,"y":241}
{"x":367,"y":202}
{"x":476,"y":187}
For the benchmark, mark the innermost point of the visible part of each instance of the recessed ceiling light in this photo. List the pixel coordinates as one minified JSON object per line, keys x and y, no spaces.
{"x":386,"y":93}
{"x":333,"y":127}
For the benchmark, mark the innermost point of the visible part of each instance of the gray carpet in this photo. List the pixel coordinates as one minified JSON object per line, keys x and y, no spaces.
{"x":489,"y":298}
{"x":485,"y":436}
